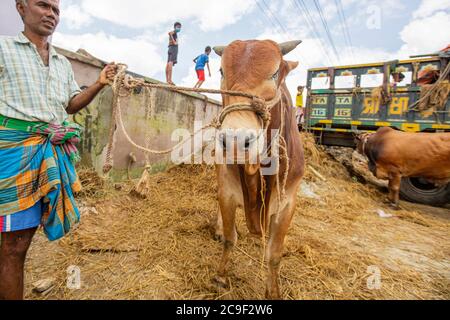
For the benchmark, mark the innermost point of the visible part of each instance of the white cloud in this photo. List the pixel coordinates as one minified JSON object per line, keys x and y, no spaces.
{"x":428,"y":7}
{"x":390,"y":8}
{"x":426,"y":35}
{"x":210,"y":15}
{"x":139,"y":54}
{"x":329,"y":9}
{"x":75,"y":17}
{"x":359,"y":12}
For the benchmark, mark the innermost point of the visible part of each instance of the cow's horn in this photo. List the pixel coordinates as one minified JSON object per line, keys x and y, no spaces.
{"x":287,"y":47}
{"x":219,"y":50}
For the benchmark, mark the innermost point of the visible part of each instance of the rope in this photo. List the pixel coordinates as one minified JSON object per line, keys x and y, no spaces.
{"x":365,"y":138}
{"x":148,"y":114}
{"x":283,"y":155}
{"x":109,"y":162}
{"x":443,"y":76}
{"x":358,"y":91}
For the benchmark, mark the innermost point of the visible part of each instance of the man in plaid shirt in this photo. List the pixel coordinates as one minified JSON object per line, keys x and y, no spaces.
{"x":37,"y":93}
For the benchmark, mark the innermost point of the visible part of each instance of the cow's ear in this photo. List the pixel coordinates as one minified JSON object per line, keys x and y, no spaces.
{"x":292,"y":65}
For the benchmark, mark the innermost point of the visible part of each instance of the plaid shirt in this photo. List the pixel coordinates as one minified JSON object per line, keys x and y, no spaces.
{"x":29,"y":90}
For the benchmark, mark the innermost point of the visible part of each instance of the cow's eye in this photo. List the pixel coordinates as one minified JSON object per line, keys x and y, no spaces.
{"x":276,"y":76}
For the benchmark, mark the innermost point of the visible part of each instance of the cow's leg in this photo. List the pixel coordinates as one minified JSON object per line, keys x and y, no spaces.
{"x":373,"y":168}
{"x":13,"y":251}
{"x":394,"y":190}
{"x":228,"y":211}
{"x":278,"y":229}
{"x":219,"y":227}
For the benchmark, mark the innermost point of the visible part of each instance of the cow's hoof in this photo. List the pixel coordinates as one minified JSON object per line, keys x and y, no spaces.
{"x":273,"y":292}
{"x":394,"y":206}
{"x":219,"y":237}
{"x":220,"y":282}
{"x":273,"y":295}
{"x":256,"y":235}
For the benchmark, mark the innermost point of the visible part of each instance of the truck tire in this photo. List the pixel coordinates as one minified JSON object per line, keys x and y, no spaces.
{"x":421,"y":191}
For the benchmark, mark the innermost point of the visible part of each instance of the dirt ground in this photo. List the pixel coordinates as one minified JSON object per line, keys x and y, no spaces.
{"x":343,"y":243}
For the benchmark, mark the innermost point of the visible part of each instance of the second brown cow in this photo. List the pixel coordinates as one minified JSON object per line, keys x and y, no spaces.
{"x":394,"y":155}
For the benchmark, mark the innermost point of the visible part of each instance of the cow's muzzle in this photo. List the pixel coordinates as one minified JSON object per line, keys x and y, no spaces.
{"x":242,"y":139}
{"x":240,"y":145}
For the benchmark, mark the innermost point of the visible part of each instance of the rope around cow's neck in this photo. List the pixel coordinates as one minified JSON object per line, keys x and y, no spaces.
{"x":124,"y":84}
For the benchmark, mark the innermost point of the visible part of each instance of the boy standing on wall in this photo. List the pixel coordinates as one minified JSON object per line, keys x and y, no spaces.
{"x":200,"y":63}
{"x":173,"y":52}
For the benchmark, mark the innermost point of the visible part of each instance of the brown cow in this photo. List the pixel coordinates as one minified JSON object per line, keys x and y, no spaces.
{"x":258,"y":68}
{"x":395,"y":154}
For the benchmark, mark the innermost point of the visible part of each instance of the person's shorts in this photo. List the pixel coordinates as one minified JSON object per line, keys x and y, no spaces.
{"x":23,"y":220}
{"x":201,"y":75}
{"x":300,"y":115}
{"x":173,"y":54}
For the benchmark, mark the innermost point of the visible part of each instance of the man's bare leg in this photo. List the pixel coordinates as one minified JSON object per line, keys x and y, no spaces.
{"x":169,"y":69}
{"x":13,"y":251}
{"x":199,"y":84}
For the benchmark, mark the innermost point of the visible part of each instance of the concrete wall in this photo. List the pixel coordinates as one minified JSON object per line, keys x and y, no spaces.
{"x":85,"y":74}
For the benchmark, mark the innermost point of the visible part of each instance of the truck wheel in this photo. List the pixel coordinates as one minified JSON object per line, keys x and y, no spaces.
{"x":421,"y":191}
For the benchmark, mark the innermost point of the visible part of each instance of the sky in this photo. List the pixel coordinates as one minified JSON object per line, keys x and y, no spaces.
{"x":334,"y":32}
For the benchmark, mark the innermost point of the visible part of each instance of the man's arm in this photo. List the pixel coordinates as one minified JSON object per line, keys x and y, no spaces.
{"x":80,"y":101}
{"x":209,"y":70}
{"x":171,"y":37}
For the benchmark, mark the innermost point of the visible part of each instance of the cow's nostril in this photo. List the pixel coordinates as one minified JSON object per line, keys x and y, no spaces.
{"x":223,"y":140}
{"x":249,"y":140}
{"x":247,"y":143}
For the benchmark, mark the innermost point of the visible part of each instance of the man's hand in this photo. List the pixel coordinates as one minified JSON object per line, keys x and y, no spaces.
{"x":108,"y":73}
{"x":81,"y":100}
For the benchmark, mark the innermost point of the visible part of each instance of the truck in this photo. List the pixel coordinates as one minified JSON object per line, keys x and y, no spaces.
{"x":347,"y":100}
